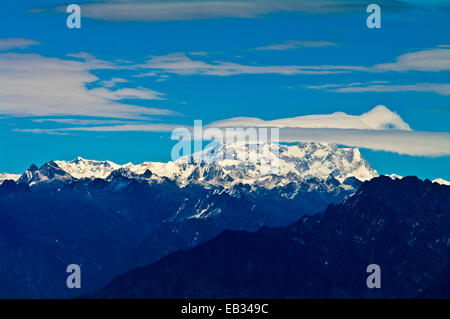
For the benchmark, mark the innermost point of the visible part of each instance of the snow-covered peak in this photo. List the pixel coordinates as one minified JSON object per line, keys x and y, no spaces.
{"x":48,"y":172}
{"x":305,"y":160}
{"x":441,"y":181}
{"x":5,"y":176}
{"x":262,"y":164}
{"x":321,"y":160}
{"x":83,"y":168}
{"x":395,"y":176}
{"x":437,"y":180}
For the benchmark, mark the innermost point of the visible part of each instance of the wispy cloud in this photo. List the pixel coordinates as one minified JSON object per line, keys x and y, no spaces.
{"x":79,"y":121}
{"x":177,"y":10}
{"x":200,"y":53}
{"x":113,"y":82}
{"x":412,"y":143}
{"x":34,"y":85}
{"x":379,"y":129}
{"x":181,"y":64}
{"x":383,"y":86}
{"x":128,"y":93}
{"x":333,"y":85}
{"x":16,"y":43}
{"x":431,"y":60}
{"x":105,"y":128}
{"x":379,"y":118}
{"x":294,"y":44}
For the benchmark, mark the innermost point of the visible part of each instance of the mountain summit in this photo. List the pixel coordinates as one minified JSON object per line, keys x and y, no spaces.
{"x":69,"y":211}
{"x":111,"y":218}
{"x":215,"y":166}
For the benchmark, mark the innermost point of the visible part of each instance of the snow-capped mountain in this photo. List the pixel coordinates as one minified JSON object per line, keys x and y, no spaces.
{"x":71,"y":210}
{"x":395,"y":176}
{"x":301,"y":161}
{"x":225,"y":165}
{"x":143,"y":212}
{"x":49,"y":172}
{"x":441,"y":181}
{"x":5,"y":176}
{"x":437,"y":180}
{"x":82,"y":168}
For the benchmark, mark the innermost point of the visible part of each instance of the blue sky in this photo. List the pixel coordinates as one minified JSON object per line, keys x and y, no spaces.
{"x":115,"y":88}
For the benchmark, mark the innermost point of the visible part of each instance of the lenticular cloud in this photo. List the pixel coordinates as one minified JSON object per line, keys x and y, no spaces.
{"x":379,"y":118}
{"x":379,"y":129}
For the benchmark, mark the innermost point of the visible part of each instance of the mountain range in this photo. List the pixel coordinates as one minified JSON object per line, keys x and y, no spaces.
{"x":402,"y":225}
{"x":111,"y":218}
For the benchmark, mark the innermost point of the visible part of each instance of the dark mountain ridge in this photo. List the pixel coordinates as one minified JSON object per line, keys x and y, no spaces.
{"x":402,"y":225}
{"x":112,"y":225}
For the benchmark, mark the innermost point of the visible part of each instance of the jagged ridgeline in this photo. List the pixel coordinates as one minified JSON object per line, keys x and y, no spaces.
{"x":402,"y":225}
{"x":111,"y":218}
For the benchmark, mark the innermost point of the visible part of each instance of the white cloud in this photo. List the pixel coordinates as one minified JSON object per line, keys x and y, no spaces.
{"x":106,"y":128}
{"x":113,"y":82}
{"x":93,"y":63}
{"x":200,"y":53}
{"x":379,"y":118}
{"x":294,"y":44}
{"x":397,"y":141}
{"x":34,"y":85}
{"x":332,"y":86}
{"x":181,"y":64}
{"x":79,"y":121}
{"x":379,"y":129}
{"x":443,"y":89}
{"x":127,"y":93}
{"x":16,"y":43}
{"x":438,"y":88}
{"x":204,"y":9}
{"x":431,"y":60}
